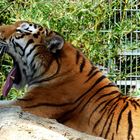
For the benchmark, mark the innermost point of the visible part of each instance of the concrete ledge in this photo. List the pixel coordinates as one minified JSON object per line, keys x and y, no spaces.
{"x":18,"y":125}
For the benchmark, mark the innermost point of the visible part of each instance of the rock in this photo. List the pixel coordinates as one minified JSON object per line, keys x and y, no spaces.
{"x":18,"y":125}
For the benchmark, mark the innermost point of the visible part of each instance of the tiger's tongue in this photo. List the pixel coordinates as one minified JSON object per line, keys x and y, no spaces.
{"x":9,"y":82}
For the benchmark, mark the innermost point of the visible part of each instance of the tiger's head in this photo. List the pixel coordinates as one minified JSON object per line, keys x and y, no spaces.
{"x":32,"y":48}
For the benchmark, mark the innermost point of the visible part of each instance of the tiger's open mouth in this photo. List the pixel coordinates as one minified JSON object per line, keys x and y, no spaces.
{"x":14,"y":76}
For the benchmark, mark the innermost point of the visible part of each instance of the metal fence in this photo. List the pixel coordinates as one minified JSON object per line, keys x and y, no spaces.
{"x":127,"y":64}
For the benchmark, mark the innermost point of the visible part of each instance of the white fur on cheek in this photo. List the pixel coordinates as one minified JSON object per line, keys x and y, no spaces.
{"x":26,"y":27}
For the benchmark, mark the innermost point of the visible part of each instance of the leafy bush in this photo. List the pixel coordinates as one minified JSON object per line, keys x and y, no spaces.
{"x":88,"y":24}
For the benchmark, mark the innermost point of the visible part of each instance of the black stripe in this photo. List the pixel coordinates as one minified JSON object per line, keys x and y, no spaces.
{"x":41,"y":28}
{"x":3,"y":48}
{"x":17,"y":30}
{"x":27,"y":44}
{"x":112,"y":137}
{"x":109,"y":112}
{"x":107,"y":103}
{"x":36,"y":35}
{"x":130,"y":125}
{"x":110,"y":102}
{"x":33,"y":68}
{"x":45,"y":79}
{"x":106,"y":122}
{"x":91,"y":71}
{"x":33,"y":65}
{"x":107,"y":94}
{"x":82,"y":65}
{"x":46,"y":70}
{"x":28,"y":30}
{"x":46,"y":32}
{"x":97,"y":81}
{"x":35,"y":26}
{"x":68,"y":114}
{"x":47,"y":104}
{"x":98,"y":121}
{"x":48,"y":78}
{"x":24,"y":72}
{"x":109,"y":115}
{"x":109,"y":126}
{"x":18,"y":45}
{"x":14,"y":45}
{"x":31,"y":50}
{"x":24,"y":99}
{"x":27,"y":33}
{"x":120,"y":116}
{"x":113,"y":107}
{"x":33,"y":59}
{"x":41,"y":75}
{"x":77,"y":56}
{"x":104,"y":107}
{"x":25,"y":64}
{"x":91,"y":76}
{"x":34,"y":72}
{"x":134,"y":103}
{"x":106,"y":86}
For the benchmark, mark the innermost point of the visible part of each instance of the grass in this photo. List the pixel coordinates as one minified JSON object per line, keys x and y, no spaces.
{"x":88,"y":24}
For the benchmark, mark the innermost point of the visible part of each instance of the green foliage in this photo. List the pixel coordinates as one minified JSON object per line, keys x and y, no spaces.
{"x":136,"y":93}
{"x":88,"y":24}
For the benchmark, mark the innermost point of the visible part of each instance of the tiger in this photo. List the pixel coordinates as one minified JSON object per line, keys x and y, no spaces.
{"x":63,"y":84}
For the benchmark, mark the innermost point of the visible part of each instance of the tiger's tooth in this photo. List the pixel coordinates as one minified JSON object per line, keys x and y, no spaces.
{"x":13,"y":78}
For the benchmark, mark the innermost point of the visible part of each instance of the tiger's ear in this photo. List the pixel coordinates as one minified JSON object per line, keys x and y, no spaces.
{"x":54,"y":42}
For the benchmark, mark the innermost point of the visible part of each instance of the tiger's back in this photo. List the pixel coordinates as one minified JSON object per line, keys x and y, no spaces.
{"x":64,"y":85}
